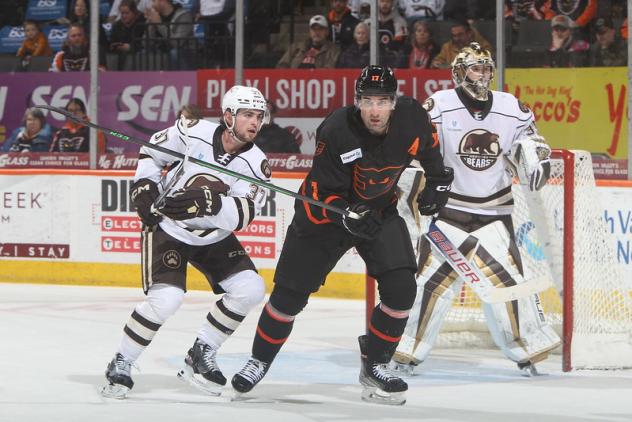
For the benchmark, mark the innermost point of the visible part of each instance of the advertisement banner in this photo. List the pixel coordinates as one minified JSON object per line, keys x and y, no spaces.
{"x":582,"y":109}
{"x":579,"y":109}
{"x":135,"y":103}
{"x":279,"y":163}
{"x":89,"y":218}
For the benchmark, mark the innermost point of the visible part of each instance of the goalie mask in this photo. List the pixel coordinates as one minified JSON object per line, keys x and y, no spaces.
{"x":473,"y":69}
{"x":244,"y":97}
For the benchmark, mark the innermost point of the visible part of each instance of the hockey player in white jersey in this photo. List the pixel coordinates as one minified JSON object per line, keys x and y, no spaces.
{"x":484,"y":134}
{"x":193,"y":222}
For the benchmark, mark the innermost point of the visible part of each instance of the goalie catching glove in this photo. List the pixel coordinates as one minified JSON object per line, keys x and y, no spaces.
{"x":436,"y":192}
{"x":192,"y":203}
{"x":529,"y":158}
{"x":143,"y":193}
{"x":367,"y":226}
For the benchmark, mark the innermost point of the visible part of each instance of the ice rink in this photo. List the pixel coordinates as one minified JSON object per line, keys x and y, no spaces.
{"x":57,"y":340}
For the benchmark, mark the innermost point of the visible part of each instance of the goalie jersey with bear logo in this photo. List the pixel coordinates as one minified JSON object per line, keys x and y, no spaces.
{"x":474,"y":144}
{"x":242,"y":200}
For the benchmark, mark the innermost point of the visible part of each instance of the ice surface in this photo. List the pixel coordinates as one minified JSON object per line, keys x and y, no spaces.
{"x":55,"y":342}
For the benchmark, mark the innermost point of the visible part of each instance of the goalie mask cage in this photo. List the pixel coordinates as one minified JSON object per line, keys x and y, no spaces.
{"x":561,"y":233}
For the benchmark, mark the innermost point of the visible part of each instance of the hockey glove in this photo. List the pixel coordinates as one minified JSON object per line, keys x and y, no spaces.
{"x":367,"y":226}
{"x":529,"y":158}
{"x":192,"y":203}
{"x":436,"y":192}
{"x":143,"y":193}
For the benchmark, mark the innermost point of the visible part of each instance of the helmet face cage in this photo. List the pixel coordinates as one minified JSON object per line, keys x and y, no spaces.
{"x":376,"y":80}
{"x":469,"y":57}
{"x":245,"y":97}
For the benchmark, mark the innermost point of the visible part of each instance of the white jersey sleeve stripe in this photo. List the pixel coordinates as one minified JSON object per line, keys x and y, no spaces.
{"x":245,"y":211}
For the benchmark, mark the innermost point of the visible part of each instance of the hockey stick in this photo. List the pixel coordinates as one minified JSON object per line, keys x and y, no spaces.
{"x":474,"y":277}
{"x":202,"y":163}
{"x":159,"y":202}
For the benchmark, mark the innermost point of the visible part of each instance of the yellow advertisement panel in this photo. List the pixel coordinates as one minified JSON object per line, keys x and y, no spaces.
{"x":577,"y":108}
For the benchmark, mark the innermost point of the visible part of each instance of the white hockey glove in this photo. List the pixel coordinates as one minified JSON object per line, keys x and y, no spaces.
{"x":529,"y":158}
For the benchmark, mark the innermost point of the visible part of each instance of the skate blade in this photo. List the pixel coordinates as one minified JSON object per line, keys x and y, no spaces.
{"x":186,"y":374}
{"x":114,"y":391}
{"x":375,"y":395}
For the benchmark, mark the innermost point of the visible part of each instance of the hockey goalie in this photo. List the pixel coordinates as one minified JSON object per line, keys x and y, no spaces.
{"x":487,"y":137}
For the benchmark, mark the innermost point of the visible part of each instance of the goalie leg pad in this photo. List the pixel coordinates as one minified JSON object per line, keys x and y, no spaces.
{"x":519,"y":327}
{"x":436,"y":287}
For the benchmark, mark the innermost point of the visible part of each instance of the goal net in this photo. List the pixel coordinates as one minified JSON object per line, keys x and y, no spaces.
{"x":561,"y":233}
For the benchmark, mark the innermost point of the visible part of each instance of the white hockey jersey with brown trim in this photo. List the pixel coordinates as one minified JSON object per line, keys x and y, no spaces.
{"x":243,"y":201}
{"x":474,"y":145}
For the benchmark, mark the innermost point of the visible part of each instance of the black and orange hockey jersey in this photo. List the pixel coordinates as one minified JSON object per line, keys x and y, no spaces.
{"x":351,"y":165}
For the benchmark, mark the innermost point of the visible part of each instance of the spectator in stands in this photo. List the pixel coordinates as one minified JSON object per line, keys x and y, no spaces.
{"x":170,"y":29}
{"x":216,"y":15}
{"x":35,"y":44}
{"x":273,"y":138}
{"x":414,"y":10}
{"x":80,"y":14}
{"x":315,"y":52}
{"x":358,"y":54}
{"x":392,"y":28}
{"x":462,"y":34}
{"x":115,"y":12}
{"x":519,"y":10}
{"x":75,"y":53}
{"x":566,"y":50}
{"x":33,"y":136}
{"x":360,"y":9}
{"x":419,"y":52}
{"x":341,"y":23}
{"x":125,"y":38}
{"x":579,"y":11}
{"x":75,"y":137}
{"x":609,"y":49}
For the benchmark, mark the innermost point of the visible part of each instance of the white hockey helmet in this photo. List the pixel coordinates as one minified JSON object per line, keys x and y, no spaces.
{"x":479,"y":61}
{"x":245,"y":97}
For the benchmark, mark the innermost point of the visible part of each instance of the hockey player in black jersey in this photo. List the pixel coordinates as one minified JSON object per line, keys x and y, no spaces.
{"x":360,"y":153}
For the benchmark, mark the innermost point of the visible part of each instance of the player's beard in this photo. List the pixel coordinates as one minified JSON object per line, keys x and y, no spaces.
{"x":242,"y":137}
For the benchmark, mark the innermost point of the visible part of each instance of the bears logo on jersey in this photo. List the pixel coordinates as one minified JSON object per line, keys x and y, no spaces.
{"x":265,"y":169}
{"x":479,"y":149}
{"x":206,"y":180}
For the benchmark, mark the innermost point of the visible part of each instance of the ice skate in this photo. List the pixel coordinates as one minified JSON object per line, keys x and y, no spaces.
{"x":201,"y":370}
{"x":249,"y":375}
{"x":118,"y":374}
{"x":380,"y":384}
{"x":528,"y":369}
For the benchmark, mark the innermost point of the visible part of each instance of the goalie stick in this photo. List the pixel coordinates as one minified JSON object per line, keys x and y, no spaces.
{"x":475,"y":278}
{"x":202,"y":163}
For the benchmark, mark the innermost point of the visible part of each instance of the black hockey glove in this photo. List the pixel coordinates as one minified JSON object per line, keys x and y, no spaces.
{"x":143,"y":193}
{"x":367,"y":226}
{"x":191,"y":203}
{"x":435,"y":193}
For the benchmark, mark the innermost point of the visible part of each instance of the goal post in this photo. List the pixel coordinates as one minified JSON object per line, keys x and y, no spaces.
{"x":561,"y":234}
